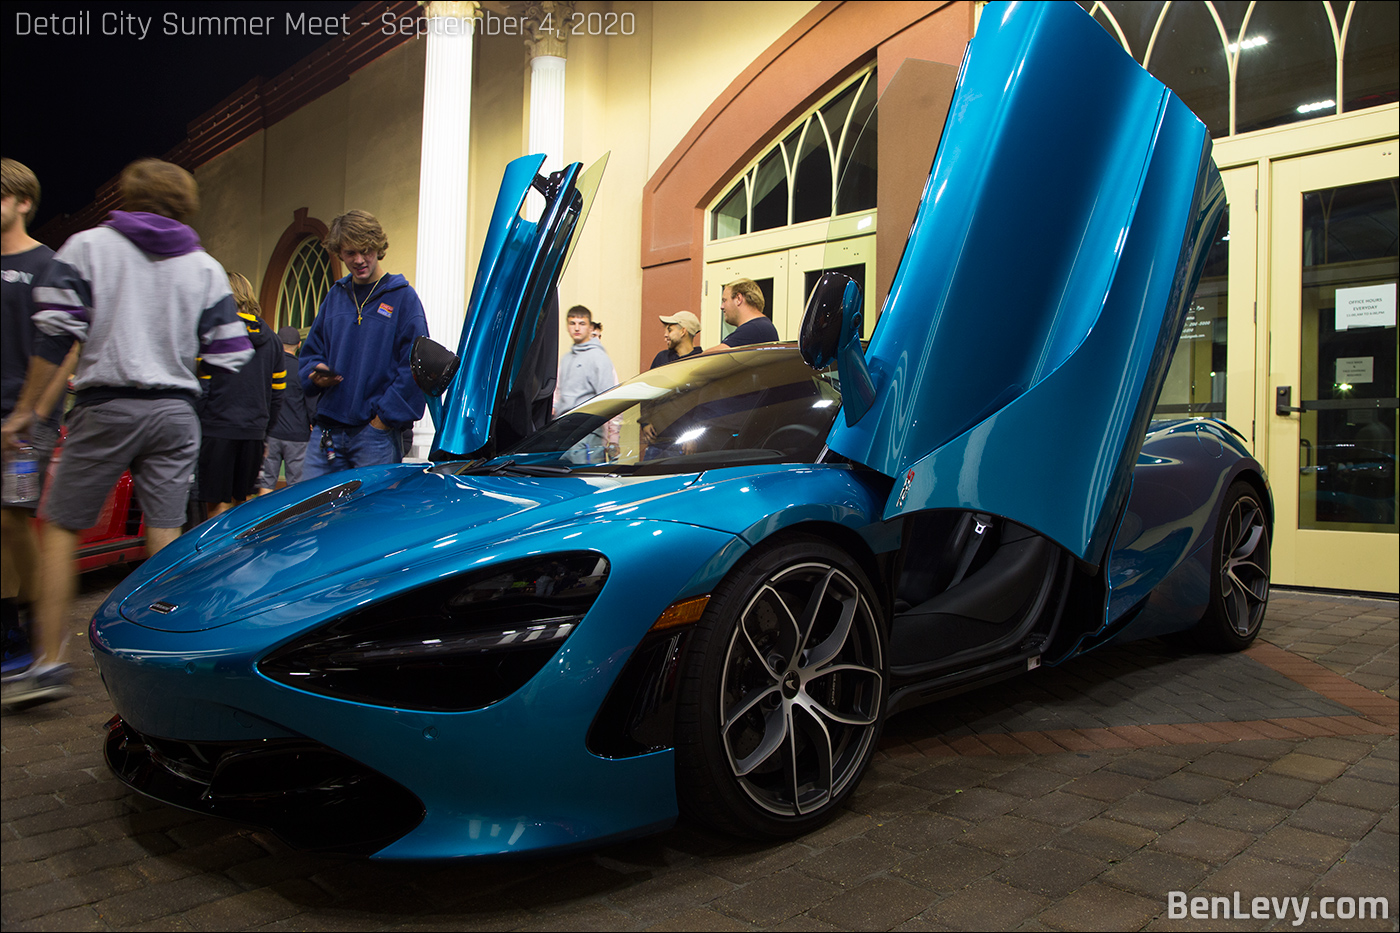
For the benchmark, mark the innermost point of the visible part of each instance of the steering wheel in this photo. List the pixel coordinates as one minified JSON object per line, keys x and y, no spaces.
{"x":791,"y":436}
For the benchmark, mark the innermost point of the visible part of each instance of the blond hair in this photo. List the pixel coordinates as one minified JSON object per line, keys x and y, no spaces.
{"x":748,"y":290}
{"x":243,"y":295}
{"x":356,"y":230}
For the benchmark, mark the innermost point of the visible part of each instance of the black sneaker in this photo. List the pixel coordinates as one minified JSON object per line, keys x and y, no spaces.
{"x":17,"y":656}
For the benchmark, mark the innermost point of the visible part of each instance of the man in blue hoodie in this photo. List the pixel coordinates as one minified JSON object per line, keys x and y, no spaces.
{"x":145,"y":300}
{"x":356,"y":357}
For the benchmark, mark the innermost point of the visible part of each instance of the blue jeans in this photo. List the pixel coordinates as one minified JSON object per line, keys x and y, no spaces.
{"x":352,"y":447}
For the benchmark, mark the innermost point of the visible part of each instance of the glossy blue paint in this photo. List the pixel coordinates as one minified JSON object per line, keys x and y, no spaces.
{"x":170,"y":675}
{"x":520,"y":263}
{"x":1039,"y":433}
{"x":1033,"y":309}
{"x":1160,"y":566}
{"x":495,"y":766}
{"x":1169,"y":516}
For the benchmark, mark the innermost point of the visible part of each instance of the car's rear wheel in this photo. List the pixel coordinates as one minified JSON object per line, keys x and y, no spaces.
{"x":1239,"y":588}
{"x":783,"y":693}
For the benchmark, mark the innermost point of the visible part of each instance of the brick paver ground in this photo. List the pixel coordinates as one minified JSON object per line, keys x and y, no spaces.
{"x":1075,"y":798}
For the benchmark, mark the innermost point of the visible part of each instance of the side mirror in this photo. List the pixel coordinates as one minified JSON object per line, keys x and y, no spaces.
{"x":831,"y":333}
{"x":433,"y":366}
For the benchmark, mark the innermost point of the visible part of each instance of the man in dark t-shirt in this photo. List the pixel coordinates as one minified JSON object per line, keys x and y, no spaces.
{"x":22,"y":260}
{"x":742,"y":304}
{"x":680,"y":332}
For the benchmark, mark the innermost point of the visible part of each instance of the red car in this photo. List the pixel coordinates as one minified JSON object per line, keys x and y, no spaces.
{"x":120,"y":532}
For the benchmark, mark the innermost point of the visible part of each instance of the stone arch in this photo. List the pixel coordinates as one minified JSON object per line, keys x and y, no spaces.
{"x":299,"y":229}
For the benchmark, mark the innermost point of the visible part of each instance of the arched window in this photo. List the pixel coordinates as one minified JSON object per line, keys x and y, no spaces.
{"x":792,"y":182}
{"x":805,"y":204}
{"x":299,"y":274}
{"x":1247,"y":66}
{"x":305,"y":283}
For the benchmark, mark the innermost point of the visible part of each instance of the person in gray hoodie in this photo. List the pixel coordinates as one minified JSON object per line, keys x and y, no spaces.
{"x":144,"y":300}
{"x":584,"y":372}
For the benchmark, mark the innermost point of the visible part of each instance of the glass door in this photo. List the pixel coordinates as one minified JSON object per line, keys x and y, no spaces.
{"x":769,"y":272}
{"x":786,"y":277}
{"x":1331,"y":450}
{"x":1219,"y":336}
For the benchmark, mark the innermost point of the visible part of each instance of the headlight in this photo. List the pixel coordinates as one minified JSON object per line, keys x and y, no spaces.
{"x":456,"y":644}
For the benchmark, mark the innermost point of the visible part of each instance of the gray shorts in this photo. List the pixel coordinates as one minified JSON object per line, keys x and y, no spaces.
{"x":279,"y":451}
{"x":156,"y":439}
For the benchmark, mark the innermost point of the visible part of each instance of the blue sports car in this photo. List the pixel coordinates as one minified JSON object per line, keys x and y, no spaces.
{"x":544,"y":640}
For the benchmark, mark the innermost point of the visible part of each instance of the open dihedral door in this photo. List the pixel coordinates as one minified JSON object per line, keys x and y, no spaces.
{"x":504,"y":347}
{"x":1031,"y":321}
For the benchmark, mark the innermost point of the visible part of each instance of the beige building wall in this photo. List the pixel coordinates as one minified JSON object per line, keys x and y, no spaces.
{"x":652,"y":96}
{"x":633,"y":96}
{"x":383,"y":146}
{"x":230,"y":192}
{"x":356,"y":146}
{"x":688,"y":74}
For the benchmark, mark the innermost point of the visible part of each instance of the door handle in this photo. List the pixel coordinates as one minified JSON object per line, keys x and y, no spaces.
{"x":1283,"y":403}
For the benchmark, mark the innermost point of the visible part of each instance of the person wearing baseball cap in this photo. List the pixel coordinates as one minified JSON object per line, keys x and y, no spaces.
{"x":680,"y":332}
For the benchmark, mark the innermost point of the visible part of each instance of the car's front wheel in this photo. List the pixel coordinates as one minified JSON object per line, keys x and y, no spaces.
{"x":783,"y":693}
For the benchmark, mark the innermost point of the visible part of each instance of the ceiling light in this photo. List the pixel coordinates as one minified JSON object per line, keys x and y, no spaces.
{"x":1316,"y":105}
{"x":1251,"y":43}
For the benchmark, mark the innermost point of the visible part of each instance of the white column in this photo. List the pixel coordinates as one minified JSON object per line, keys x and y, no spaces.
{"x":547,"y":109}
{"x":547,"y":50}
{"x":443,"y":177}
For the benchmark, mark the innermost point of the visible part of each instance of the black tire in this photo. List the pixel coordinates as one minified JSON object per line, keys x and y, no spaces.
{"x":782,"y":694}
{"x":1239,"y":584}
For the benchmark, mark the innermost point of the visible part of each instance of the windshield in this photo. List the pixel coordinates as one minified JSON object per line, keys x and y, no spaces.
{"x":761,"y":405}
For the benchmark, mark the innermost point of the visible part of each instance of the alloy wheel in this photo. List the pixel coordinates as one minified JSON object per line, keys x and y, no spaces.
{"x":1244,"y":571}
{"x":802,"y":688}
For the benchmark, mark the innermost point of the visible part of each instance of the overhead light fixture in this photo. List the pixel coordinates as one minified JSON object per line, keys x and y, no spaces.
{"x":1251,"y":43}
{"x":1316,"y":105}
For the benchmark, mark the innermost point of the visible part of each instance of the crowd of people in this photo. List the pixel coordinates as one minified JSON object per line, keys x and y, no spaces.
{"x":177,"y":378}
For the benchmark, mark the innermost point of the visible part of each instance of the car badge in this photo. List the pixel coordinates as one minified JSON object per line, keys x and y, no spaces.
{"x":908,"y":481}
{"x":163,"y":607}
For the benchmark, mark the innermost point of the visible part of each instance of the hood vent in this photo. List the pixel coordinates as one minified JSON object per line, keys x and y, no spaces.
{"x":329,"y":497}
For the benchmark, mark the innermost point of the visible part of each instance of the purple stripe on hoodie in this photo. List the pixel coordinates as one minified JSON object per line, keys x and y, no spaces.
{"x":231,"y":345}
{"x":79,"y":313}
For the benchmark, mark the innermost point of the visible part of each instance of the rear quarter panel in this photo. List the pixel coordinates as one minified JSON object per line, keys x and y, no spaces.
{"x":1160,"y":565}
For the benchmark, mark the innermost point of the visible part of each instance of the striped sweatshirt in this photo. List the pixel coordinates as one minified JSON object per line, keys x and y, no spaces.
{"x":145,"y":300}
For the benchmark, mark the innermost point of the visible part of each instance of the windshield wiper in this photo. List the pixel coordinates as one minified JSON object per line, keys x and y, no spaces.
{"x":511,"y":468}
{"x":708,"y":460}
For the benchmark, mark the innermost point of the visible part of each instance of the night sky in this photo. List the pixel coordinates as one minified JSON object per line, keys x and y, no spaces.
{"x":79,"y":107}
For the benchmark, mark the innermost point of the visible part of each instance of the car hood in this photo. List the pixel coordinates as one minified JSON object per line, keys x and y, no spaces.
{"x":1059,"y":238}
{"x":261,"y":556}
{"x":508,"y":318}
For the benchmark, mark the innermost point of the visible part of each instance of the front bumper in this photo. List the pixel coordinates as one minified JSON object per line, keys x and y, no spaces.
{"x":310,"y":796}
{"x":202,"y":728}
